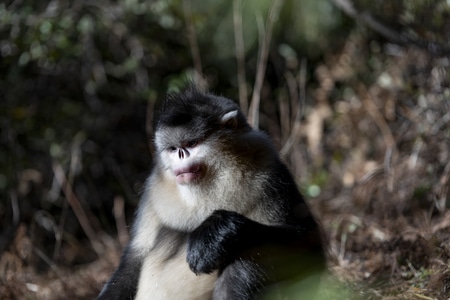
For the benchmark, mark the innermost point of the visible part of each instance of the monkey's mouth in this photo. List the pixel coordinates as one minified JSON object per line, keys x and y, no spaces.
{"x":189,"y":174}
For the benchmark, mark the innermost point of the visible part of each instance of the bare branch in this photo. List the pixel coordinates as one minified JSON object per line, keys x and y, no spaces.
{"x":121,"y":224}
{"x":192,"y":37}
{"x":391,"y":34}
{"x":240,"y":54}
{"x":298,"y":99}
{"x":149,"y":123}
{"x":262,"y":62}
{"x":75,"y":204}
{"x":389,"y":139}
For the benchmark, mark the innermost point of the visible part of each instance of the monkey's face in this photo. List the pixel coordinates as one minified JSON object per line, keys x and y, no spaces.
{"x":185,"y":161}
{"x":186,"y":172}
{"x":183,"y":156}
{"x":193,"y":134}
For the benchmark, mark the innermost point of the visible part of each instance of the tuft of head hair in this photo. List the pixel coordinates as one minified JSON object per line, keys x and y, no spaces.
{"x":194,"y":109}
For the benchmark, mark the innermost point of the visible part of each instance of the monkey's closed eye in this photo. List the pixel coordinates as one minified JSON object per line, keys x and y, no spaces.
{"x":191,"y":144}
{"x":172,"y":148}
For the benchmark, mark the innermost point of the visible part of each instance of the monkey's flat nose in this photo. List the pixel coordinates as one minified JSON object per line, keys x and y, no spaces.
{"x":183,"y":153}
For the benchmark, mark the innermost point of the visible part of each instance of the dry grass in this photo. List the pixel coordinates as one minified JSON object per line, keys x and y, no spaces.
{"x":385,"y":203}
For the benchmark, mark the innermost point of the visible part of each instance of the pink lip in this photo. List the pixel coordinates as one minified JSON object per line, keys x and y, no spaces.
{"x":188,"y":174}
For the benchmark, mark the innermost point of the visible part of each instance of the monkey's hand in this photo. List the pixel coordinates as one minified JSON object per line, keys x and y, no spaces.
{"x":216,"y":242}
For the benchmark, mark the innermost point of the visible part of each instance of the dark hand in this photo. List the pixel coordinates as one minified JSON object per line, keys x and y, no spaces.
{"x":215,"y":243}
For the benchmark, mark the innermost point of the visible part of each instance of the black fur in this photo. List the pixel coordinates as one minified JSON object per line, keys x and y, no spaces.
{"x":251,"y":258}
{"x":240,"y":280}
{"x":196,"y":110}
{"x":123,"y":283}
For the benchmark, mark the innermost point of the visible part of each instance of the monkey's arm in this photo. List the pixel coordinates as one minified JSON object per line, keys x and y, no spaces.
{"x":225,"y":236}
{"x":124,"y":281}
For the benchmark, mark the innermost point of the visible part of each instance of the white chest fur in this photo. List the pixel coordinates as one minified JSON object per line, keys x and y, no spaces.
{"x":172,"y":279}
{"x":165,"y":204}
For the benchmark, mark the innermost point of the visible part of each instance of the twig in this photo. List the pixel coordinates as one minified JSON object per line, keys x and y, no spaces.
{"x":45,"y":220}
{"x":121,"y":178}
{"x":423,"y":296}
{"x":149,"y":124}
{"x":298,"y":98}
{"x":15,"y":208}
{"x":412,"y":162}
{"x":50,"y":263}
{"x":341,"y":255}
{"x":62,"y":223}
{"x":9,"y":228}
{"x":13,"y":6}
{"x":74,"y":203}
{"x":440,"y":123}
{"x":240,"y":54}
{"x":443,"y":188}
{"x":444,"y":224}
{"x":388,"y":137}
{"x":121,"y":223}
{"x":391,"y":34}
{"x":388,"y":169}
{"x":302,"y":86}
{"x":74,"y":161}
{"x":378,"y":117}
{"x":262,"y":62}
{"x":192,"y":38}
{"x":287,"y":117}
{"x":347,"y":7}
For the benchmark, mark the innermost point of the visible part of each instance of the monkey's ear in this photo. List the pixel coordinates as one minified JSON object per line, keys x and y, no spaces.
{"x":230,"y":119}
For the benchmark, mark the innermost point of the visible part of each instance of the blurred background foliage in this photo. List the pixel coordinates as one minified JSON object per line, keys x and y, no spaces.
{"x":77,"y":78}
{"x":80,"y":81}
